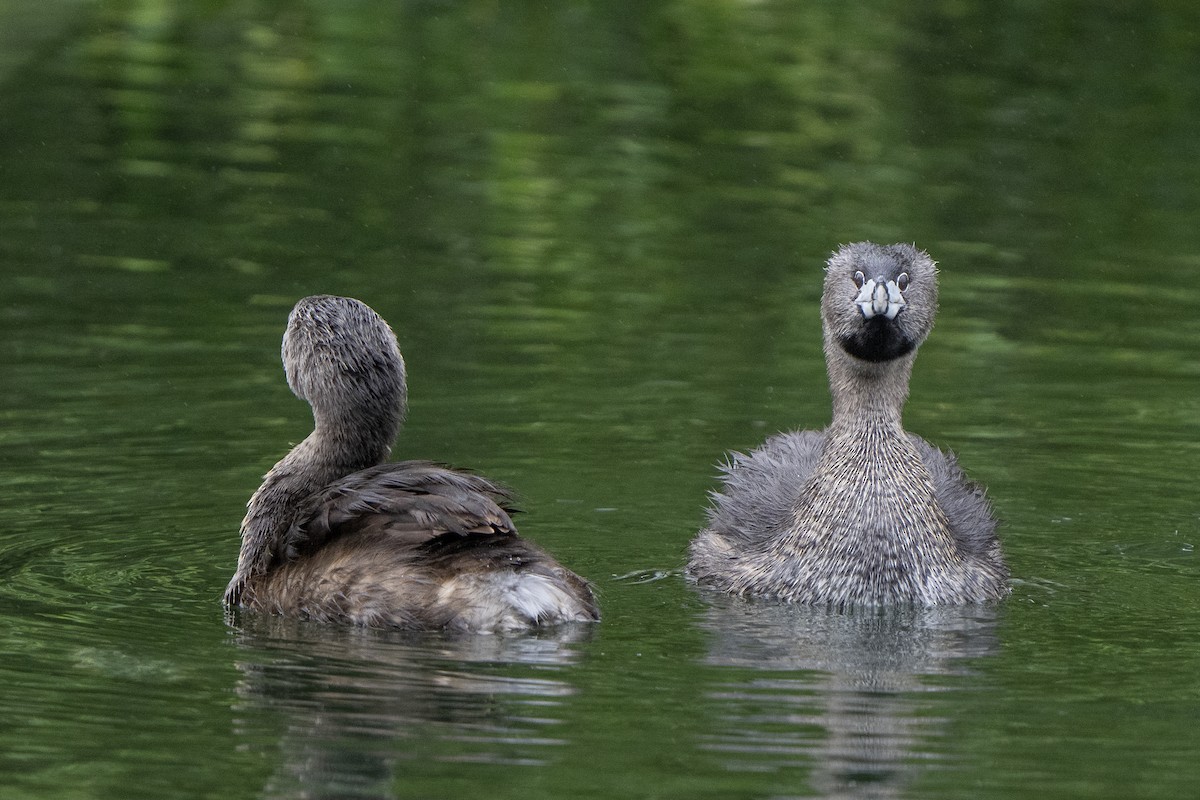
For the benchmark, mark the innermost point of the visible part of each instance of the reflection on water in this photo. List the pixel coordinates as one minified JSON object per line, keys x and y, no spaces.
{"x":843,"y":695}
{"x":349,"y":706}
{"x":599,"y":228}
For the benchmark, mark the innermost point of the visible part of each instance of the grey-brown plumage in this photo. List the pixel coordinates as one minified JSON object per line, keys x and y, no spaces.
{"x":335,"y":535}
{"x":861,"y":513}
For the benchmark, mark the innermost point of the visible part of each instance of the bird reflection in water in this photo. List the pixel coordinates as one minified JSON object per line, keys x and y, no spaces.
{"x":345,"y":709}
{"x":846,"y":698}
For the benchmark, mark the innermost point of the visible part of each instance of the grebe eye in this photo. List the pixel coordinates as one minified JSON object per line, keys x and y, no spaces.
{"x":902,"y":281}
{"x":859,"y":278}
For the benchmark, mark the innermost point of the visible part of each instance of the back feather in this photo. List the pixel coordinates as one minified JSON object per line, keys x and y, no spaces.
{"x":412,"y":501}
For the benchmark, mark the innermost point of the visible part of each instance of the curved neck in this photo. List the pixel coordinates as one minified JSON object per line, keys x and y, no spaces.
{"x":339,"y":445}
{"x":350,"y":439}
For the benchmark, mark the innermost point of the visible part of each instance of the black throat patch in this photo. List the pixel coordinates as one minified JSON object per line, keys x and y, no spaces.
{"x":879,"y":339}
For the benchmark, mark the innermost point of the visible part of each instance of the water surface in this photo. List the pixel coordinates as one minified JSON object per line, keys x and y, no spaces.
{"x":598,"y":230}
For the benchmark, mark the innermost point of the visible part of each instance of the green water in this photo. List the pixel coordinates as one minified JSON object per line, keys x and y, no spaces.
{"x":598,"y":230}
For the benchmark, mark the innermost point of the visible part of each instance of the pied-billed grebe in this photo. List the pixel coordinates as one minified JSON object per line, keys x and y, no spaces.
{"x":335,"y":535}
{"x":861,"y":513}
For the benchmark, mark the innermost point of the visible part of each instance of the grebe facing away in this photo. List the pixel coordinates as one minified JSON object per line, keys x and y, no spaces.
{"x":335,"y":535}
{"x":862,"y":513}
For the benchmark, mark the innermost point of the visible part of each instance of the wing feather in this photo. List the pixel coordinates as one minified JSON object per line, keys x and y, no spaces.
{"x":412,"y":501}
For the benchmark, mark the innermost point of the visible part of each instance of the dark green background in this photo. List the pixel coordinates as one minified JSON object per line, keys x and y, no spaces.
{"x":598,"y":230}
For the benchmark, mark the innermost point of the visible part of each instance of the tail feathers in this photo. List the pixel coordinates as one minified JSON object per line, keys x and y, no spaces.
{"x":509,"y":601}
